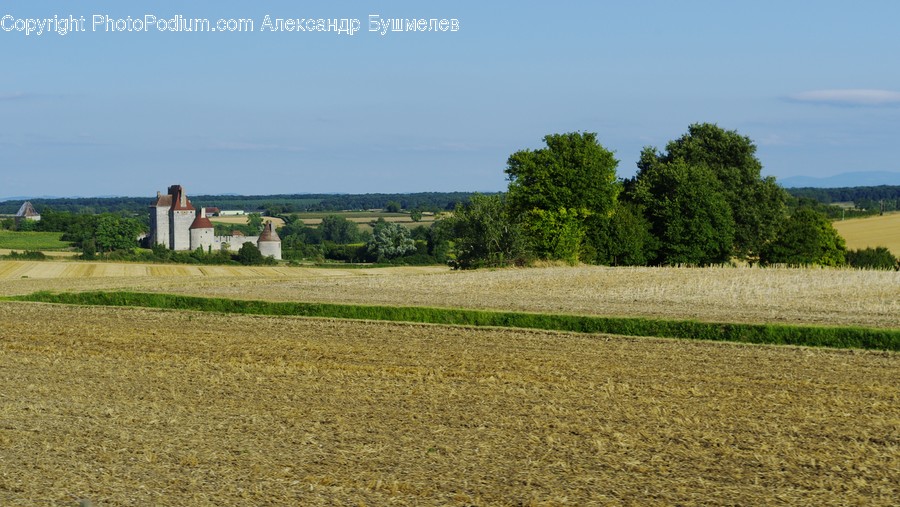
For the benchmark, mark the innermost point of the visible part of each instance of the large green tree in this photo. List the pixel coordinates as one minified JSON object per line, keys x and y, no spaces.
{"x":556,"y":190}
{"x":486,"y":234}
{"x":390,"y":240}
{"x":338,"y":229}
{"x":112,"y":232}
{"x":255,"y":223}
{"x":757,"y":204}
{"x":625,"y":239}
{"x":806,"y":237}
{"x":249,"y":255}
{"x":688,"y":212}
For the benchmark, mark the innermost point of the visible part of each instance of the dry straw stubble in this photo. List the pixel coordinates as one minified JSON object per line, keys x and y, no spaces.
{"x":131,"y":406}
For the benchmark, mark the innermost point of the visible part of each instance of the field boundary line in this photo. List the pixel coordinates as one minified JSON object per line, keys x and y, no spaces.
{"x":774,"y":334}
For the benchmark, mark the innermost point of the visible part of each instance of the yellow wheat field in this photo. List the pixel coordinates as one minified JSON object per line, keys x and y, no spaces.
{"x":405,"y":220}
{"x":141,"y":407}
{"x":242,"y":219}
{"x":808,"y":296}
{"x":871,"y":232}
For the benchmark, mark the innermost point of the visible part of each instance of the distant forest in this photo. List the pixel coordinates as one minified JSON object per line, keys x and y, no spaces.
{"x":267,"y":204}
{"x":869,"y":198}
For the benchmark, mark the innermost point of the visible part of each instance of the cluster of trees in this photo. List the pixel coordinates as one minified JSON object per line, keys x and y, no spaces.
{"x":339,"y":239}
{"x":702,"y":201}
{"x":101,"y":233}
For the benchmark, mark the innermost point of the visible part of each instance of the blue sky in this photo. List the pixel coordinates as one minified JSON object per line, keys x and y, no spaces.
{"x":816,"y":84}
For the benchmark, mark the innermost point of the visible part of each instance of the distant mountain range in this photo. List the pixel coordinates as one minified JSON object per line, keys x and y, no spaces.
{"x":860,"y":179}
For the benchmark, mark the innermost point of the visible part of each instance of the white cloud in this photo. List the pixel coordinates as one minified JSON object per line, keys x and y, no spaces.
{"x":849,"y":97}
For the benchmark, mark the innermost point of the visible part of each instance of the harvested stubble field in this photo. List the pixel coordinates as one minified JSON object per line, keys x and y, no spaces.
{"x":143,"y":407}
{"x":360,"y":220}
{"x":23,"y":277}
{"x":800,"y":296}
{"x":242,"y":220}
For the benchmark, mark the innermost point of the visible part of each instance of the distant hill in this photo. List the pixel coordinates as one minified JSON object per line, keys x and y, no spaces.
{"x":844,"y":180}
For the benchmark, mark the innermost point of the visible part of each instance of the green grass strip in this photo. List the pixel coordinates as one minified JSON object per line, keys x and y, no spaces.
{"x":815,"y":336}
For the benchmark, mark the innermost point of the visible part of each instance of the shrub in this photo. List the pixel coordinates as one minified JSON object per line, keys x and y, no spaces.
{"x":347,"y":253}
{"x":28,"y":255}
{"x":872,"y":258}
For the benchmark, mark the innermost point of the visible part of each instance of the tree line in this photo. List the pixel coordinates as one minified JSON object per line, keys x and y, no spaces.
{"x":268,"y":204}
{"x":861,"y":197}
{"x":338,"y":239}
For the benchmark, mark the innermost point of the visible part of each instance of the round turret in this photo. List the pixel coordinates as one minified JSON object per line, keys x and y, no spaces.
{"x":269,"y":243}
{"x":202,"y":232}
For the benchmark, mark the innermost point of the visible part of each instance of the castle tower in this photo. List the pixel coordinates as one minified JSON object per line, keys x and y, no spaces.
{"x":269,"y":243}
{"x":202,"y":232}
{"x":181,"y":216}
{"x":159,"y":220}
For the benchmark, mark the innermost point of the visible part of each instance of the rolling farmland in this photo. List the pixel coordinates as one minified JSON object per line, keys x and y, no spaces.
{"x":133,"y":406}
{"x":799,"y":296}
{"x":871,"y":232}
{"x":32,"y":241}
{"x":242,"y":219}
{"x":130,"y":406}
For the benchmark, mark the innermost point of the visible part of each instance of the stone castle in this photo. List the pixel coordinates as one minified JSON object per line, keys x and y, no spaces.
{"x":175,"y":223}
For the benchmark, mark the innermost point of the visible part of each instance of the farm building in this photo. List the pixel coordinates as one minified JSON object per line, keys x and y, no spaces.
{"x":27,"y":212}
{"x":175,"y":223}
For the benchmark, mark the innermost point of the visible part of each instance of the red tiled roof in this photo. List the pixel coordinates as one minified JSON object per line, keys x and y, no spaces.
{"x":201,"y":223}
{"x":178,"y":194}
{"x":268,"y":233}
{"x":188,"y":206}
